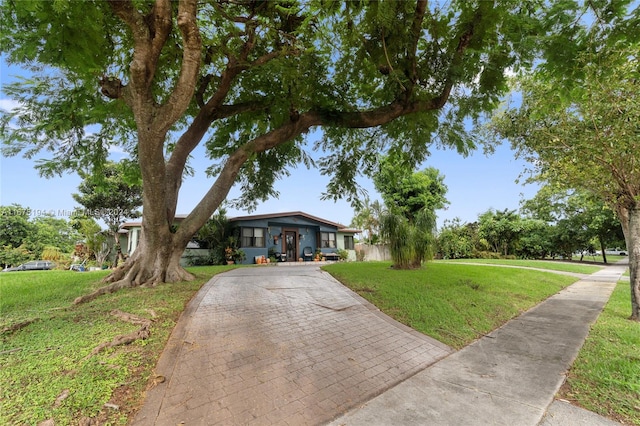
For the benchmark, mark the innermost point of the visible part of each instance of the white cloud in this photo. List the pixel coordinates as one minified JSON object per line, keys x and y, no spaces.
{"x":509,"y":72}
{"x":8,"y":104}
{"x":117,"y":150}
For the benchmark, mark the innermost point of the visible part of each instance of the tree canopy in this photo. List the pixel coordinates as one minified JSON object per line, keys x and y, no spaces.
{"x":406,"y":192}
{"x":501,"y":229}
{"x":587,"y":138}
{"x":14,"y":225}
{"x":109,"y":195}
{"x":411,"y":199}
{"x":582,"y":220}
{"x":248,"y":80}
{"x":25,"y":235}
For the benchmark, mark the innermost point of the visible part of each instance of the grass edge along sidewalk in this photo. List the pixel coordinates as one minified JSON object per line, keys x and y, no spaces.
{"x":605,"y":377}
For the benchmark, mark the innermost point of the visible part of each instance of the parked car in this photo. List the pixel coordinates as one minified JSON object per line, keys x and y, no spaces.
{"x":613,"y":251}
{"x":34,"y":265}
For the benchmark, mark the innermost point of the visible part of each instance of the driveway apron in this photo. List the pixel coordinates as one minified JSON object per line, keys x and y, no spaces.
{"x":280,"y":346}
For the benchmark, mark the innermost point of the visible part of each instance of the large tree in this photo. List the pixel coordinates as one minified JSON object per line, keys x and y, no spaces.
{"x":406,"y":192}
{"x":501,"y":229}
{"x":588,"y":137}
{"x":457,"y":240}
{"x":14,"y":225}
{"x":579,"y":217}
{"x":248,"y":79}
{"x":112,"y":194}
{"x":51,"y":231}
{"x":14,"y":230}
{"x":411,"y":199}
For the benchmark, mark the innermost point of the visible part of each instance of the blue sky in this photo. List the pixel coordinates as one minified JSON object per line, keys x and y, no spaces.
{"x":476,"y":183}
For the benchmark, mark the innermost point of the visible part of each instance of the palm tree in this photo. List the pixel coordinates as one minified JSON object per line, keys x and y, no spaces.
{"x":367,"y":218}
{"x":410,"y":243}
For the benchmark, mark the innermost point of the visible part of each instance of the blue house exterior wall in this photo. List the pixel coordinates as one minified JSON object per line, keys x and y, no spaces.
{"x":306,"y":229}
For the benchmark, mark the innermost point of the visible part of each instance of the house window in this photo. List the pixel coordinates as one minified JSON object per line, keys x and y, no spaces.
{"x":328,"y":239}
{"x":348,"y":242}
{"x":253,"y":237}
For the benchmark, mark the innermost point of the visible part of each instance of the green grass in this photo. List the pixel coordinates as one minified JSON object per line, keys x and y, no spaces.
{"x":451,"y":302}
{"x":458,"y":303}
{"x":605,"y":378}
{"x":29,"y":294}
{"x":540,"y":264}
{"x":46,"y":359}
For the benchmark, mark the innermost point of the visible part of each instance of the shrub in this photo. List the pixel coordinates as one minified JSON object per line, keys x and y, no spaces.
{"x":64,"y":263}
{"x":486,"y":255}
{"x":51,"y":253}
{"x":199,"y":260}
{"x":343,"y":254}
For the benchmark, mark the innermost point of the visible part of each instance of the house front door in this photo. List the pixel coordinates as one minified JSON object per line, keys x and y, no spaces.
{"x":291,"y":245}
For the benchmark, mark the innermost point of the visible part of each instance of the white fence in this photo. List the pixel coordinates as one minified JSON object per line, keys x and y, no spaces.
{"x":374,"y":252}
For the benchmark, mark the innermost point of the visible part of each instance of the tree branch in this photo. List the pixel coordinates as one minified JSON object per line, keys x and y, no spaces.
{"x":463,"y":43}
{"x":183,"y":92}
{"x":288,"y":131}
{"x":159,"y":23}
{"x":211,"y":111}
{"x":416,"y":33}
{"x":319,"y":117}
{"x":192,"y":138}
{"x":236,"y":19}
{"x":150,"y":33}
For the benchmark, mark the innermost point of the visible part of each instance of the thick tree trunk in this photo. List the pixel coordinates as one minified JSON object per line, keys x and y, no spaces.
{"x":633,"y":245}
{"x":624,"y":217}
{"x":156,"y":260}
{"x":603,"y":250}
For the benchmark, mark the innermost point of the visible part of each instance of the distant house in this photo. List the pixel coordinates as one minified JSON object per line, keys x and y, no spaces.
{"x":290,"y":235}
{"x":129,"y":233}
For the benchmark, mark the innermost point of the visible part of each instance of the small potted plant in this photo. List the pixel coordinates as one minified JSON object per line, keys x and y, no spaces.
{"x":239,"y":255}
{"x":229,"y":254}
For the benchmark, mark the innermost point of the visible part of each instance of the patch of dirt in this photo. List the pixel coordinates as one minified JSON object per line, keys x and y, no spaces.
{"x":125,"y":401}
{"x":17,"y":326}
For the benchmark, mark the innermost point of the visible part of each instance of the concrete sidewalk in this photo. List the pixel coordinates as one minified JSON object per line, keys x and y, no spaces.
{"x":509,"y":377}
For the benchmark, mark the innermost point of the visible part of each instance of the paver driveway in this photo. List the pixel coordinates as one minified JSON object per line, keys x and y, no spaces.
{"x":280,"y":345}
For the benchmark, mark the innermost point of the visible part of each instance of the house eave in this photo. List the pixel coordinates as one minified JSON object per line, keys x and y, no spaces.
{"x":287,"y":214}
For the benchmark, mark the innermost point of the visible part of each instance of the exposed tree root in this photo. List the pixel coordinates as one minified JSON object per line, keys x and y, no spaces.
{"x":133,"y":274}
{"x":124,"y":339}
{"x":18,"y":326}
{"x":116,"y":275}
{"x":111,"y":288}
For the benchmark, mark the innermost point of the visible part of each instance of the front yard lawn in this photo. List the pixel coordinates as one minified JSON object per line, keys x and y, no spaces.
{"x":454,"y":303}
{"x":46,"y":371}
